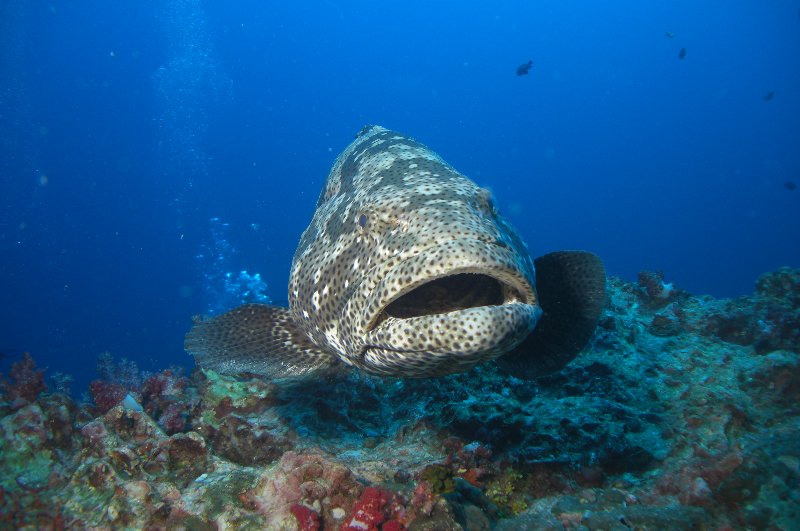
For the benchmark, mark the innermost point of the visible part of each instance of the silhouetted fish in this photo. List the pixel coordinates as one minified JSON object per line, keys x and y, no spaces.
{"x":790,"y":185}
{"x":407,"y":269}
{"x":769,"y":96}
{"x":670,"y":34}
{"x":524,"y":68}
{"x":682,"y":53}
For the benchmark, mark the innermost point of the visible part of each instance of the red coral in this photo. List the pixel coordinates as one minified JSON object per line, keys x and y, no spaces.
{"x":307,"y":518}
{"x":368,"y":510}
{"x":155,"y":385}
{"x":163,"y":384}
{"x":172,"y":419}
{"x":26,"y":381}
{"x":106,"y":394}
{"x":654,"y":287}
{"x":473,"y":475}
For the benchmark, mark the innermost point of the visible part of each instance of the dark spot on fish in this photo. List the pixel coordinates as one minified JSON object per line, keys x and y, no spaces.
{"x":769,"y":96}
{"x":682,"y":53}
{"x":524,"y":68}
{"x":790,"y":185}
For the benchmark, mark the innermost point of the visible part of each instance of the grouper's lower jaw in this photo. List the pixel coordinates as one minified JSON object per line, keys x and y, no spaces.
{"x":445,"y":343}
{"x":456,"y":275}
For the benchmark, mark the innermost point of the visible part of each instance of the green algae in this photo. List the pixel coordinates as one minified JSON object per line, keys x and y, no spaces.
{"x":504,"y":491}
{"x":219,"y":387}
{"x":23,"y":460}
{"x":223,"y":394}
{"x":91,"y":488}
{"x":23,"y":466}
{"x":440,"y":479}
{"x":222,"y":491}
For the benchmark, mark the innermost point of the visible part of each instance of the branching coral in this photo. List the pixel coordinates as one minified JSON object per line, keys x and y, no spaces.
{"x":25,"y":384}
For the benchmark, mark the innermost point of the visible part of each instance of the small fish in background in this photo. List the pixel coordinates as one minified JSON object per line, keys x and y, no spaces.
{"x":524,"y":68}
{"x":669,"y":35}
{"x":682,"y":53}
{"x":769,"y":96}
{"x":790,"y":185}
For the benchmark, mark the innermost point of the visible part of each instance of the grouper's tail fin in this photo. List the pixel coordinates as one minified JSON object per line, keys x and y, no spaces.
{"x":255,"y":338}
{"x":571,"y":286}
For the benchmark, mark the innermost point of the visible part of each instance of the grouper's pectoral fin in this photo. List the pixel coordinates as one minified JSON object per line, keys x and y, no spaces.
{"x":571,"y":286}
{"x":255,"y":338}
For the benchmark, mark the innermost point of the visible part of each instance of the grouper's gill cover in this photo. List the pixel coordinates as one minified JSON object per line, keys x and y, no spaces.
{"x":407,"y":269}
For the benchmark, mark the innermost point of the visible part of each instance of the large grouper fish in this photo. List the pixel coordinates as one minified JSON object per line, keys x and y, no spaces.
{"x":407,"y":269}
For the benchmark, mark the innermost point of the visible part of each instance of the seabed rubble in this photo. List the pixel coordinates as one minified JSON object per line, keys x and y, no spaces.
{"x":683,"y":413}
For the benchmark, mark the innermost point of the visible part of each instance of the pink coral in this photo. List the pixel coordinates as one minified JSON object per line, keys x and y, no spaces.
{"x":106,"y":394}
{"x":163,"y":398}
{"x":424,"y":499}
{"x":172,"y":419}
{"x":304,"y":479}
{"x":163,"y":384}
{"x":26,"y":381}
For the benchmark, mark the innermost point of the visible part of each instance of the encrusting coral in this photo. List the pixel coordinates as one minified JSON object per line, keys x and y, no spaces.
{"x":683,"y":413}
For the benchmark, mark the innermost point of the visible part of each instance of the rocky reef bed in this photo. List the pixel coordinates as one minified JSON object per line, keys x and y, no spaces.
{"x":684,"y":413}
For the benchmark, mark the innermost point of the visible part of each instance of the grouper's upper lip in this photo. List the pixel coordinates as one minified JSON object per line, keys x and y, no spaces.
{"x":489,"y":273}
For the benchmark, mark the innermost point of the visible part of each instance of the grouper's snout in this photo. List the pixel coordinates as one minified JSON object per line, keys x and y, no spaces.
{"x":460,"y":303}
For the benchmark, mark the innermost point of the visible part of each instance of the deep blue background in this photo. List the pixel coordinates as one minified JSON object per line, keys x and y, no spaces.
{"x":127,"y":125}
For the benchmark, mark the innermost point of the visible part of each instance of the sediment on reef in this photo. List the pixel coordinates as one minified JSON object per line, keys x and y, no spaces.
{"x":683,"y":413}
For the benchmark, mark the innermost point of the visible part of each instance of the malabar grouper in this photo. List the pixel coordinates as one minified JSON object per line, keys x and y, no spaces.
{"x":407,"y":269}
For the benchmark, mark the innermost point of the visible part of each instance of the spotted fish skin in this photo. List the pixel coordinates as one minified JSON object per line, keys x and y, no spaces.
{"x":406,"y":269}
{"x":393,"y":215}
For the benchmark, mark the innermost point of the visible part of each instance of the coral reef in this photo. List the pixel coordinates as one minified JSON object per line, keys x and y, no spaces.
{"x":25,"y":384}
{"x":683,"y":413}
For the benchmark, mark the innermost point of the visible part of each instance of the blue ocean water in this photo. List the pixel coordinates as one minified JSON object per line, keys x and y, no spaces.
{"x":151,"y":153}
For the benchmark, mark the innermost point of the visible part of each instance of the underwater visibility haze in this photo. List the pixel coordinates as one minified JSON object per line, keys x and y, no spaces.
{"x":160,"y":160}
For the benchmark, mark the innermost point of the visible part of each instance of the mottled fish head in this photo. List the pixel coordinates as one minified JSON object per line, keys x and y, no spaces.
{"x":407,"y":269}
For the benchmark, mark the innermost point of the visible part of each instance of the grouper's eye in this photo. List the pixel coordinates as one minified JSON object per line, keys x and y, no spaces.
{"x":362,"y":221}
{"x":485,"y":202}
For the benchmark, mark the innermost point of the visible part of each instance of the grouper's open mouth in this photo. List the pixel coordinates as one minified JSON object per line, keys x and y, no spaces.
{"x":452,"y":292}
{"x":451,"y":277}
{"x":447,"y":308}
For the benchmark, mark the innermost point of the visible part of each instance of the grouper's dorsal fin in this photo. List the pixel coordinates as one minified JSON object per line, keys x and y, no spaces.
{"x":571,"y":286}
{"x":255,"y":338}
